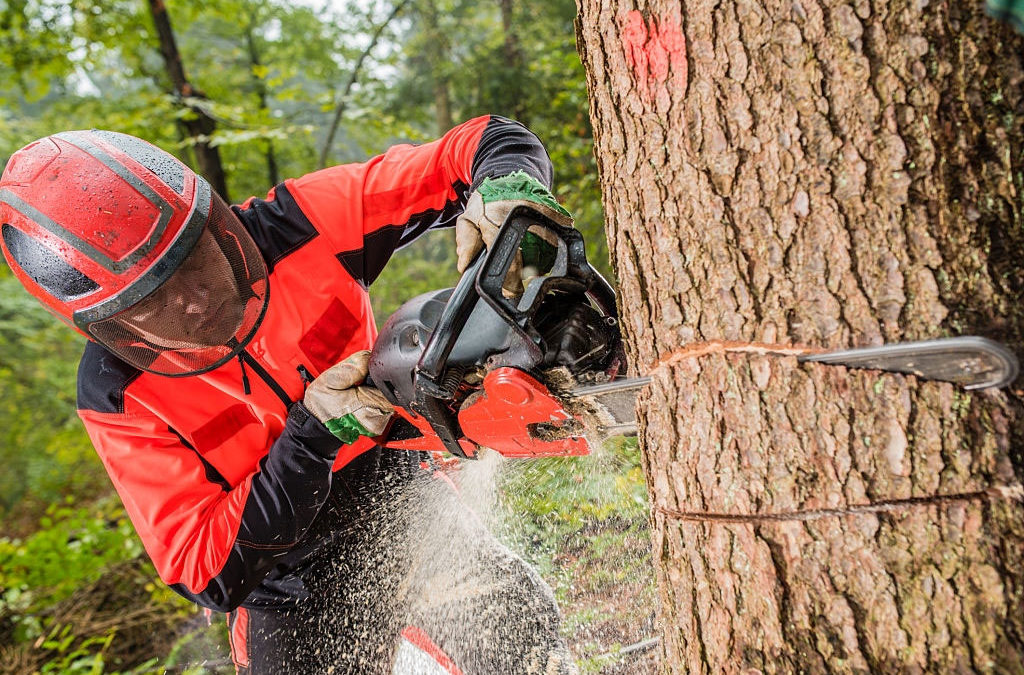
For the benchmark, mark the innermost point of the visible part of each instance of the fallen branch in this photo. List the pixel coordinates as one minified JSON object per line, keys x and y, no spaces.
{"x":636,"y":648}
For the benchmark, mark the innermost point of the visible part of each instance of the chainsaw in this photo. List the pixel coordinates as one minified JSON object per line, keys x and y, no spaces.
{"x":468,"y":368}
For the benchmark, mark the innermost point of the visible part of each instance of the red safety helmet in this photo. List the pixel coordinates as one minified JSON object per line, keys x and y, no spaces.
{"x":128,"y":245}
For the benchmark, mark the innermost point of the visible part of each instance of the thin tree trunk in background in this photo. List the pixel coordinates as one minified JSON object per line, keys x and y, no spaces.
{"x":261,"y":96}
{"x":201,"y":126}
{"x":442,"y":107}
{"x":513,"y":60}
{"x":436,"y":53}
{"x":824,"y":173}
{"x":342,"y":99}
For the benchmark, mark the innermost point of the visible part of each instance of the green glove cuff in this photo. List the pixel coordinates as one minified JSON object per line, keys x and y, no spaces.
{"x":519,"y":185}
{"x":347,"y":428}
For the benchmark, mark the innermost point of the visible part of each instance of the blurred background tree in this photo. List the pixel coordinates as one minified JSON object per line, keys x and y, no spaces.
{"x":272,"y":74}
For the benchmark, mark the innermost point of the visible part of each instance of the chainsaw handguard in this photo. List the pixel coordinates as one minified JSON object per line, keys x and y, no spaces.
{"x":483,"y":279}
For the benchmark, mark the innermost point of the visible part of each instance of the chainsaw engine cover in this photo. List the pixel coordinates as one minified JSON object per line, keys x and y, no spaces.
{"x":574,"y":335}
{"x":404,"y":335}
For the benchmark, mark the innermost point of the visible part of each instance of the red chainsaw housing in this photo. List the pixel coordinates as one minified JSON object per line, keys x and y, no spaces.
{"x":427,"y":442}
{"x":502,"y":416}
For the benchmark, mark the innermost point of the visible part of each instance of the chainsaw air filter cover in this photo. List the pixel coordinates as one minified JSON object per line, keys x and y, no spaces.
{"x":401,"y":341}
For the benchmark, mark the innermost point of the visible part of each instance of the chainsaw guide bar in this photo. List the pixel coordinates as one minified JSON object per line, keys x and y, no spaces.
{"x":616,"y":398}
{"x":539,"y":374}
{"x":971,"y":362}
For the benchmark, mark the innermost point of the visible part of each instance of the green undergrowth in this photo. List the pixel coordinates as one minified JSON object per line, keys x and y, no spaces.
{"x":582,"y":523}
{"x":79,"y":595}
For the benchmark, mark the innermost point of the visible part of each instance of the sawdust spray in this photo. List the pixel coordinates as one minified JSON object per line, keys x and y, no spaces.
{"x":429,"y":570}
{"x":481,"y":603}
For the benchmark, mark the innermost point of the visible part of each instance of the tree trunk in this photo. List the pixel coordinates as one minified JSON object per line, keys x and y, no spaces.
{"x":825,"y":174}
{"x":438,"y":59}
{"x":260,"y":82}
{"x":341,"y":100}
{"x":514,"y":61}
{"x":199,"y":126}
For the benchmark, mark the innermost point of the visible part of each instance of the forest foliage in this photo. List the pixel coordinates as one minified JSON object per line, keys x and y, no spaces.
{"x":272,"y":75}
{"x":289,"y":87}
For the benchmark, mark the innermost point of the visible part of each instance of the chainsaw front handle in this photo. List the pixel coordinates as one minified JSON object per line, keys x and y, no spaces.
{"x":483,"y":280}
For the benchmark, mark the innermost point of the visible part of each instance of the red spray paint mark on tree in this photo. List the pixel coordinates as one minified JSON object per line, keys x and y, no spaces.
{"x":656,"y":52}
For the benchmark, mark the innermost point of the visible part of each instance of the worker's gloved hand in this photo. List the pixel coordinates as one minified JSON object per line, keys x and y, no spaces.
{"x":347,"y":409}
{"x":486,"y":210}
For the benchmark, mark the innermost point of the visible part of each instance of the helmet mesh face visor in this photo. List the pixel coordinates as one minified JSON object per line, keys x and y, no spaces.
{"x":204,"y":313}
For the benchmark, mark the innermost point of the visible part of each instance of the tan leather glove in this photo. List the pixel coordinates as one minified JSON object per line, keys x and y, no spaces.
{"x":347,"y":409}
{"x":486,"y":210}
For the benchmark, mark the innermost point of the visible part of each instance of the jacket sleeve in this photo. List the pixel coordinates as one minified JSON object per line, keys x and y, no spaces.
{"x":211,"y":542}
{"x":369,"y":210}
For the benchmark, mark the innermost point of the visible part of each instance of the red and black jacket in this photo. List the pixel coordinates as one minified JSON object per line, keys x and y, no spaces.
{"x":222,"y":473}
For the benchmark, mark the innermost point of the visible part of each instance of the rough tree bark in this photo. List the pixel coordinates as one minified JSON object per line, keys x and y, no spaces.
{"x":823,"y":173}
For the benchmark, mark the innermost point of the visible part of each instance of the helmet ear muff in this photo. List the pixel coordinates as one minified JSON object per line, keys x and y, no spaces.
{"x":45,"y":267}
